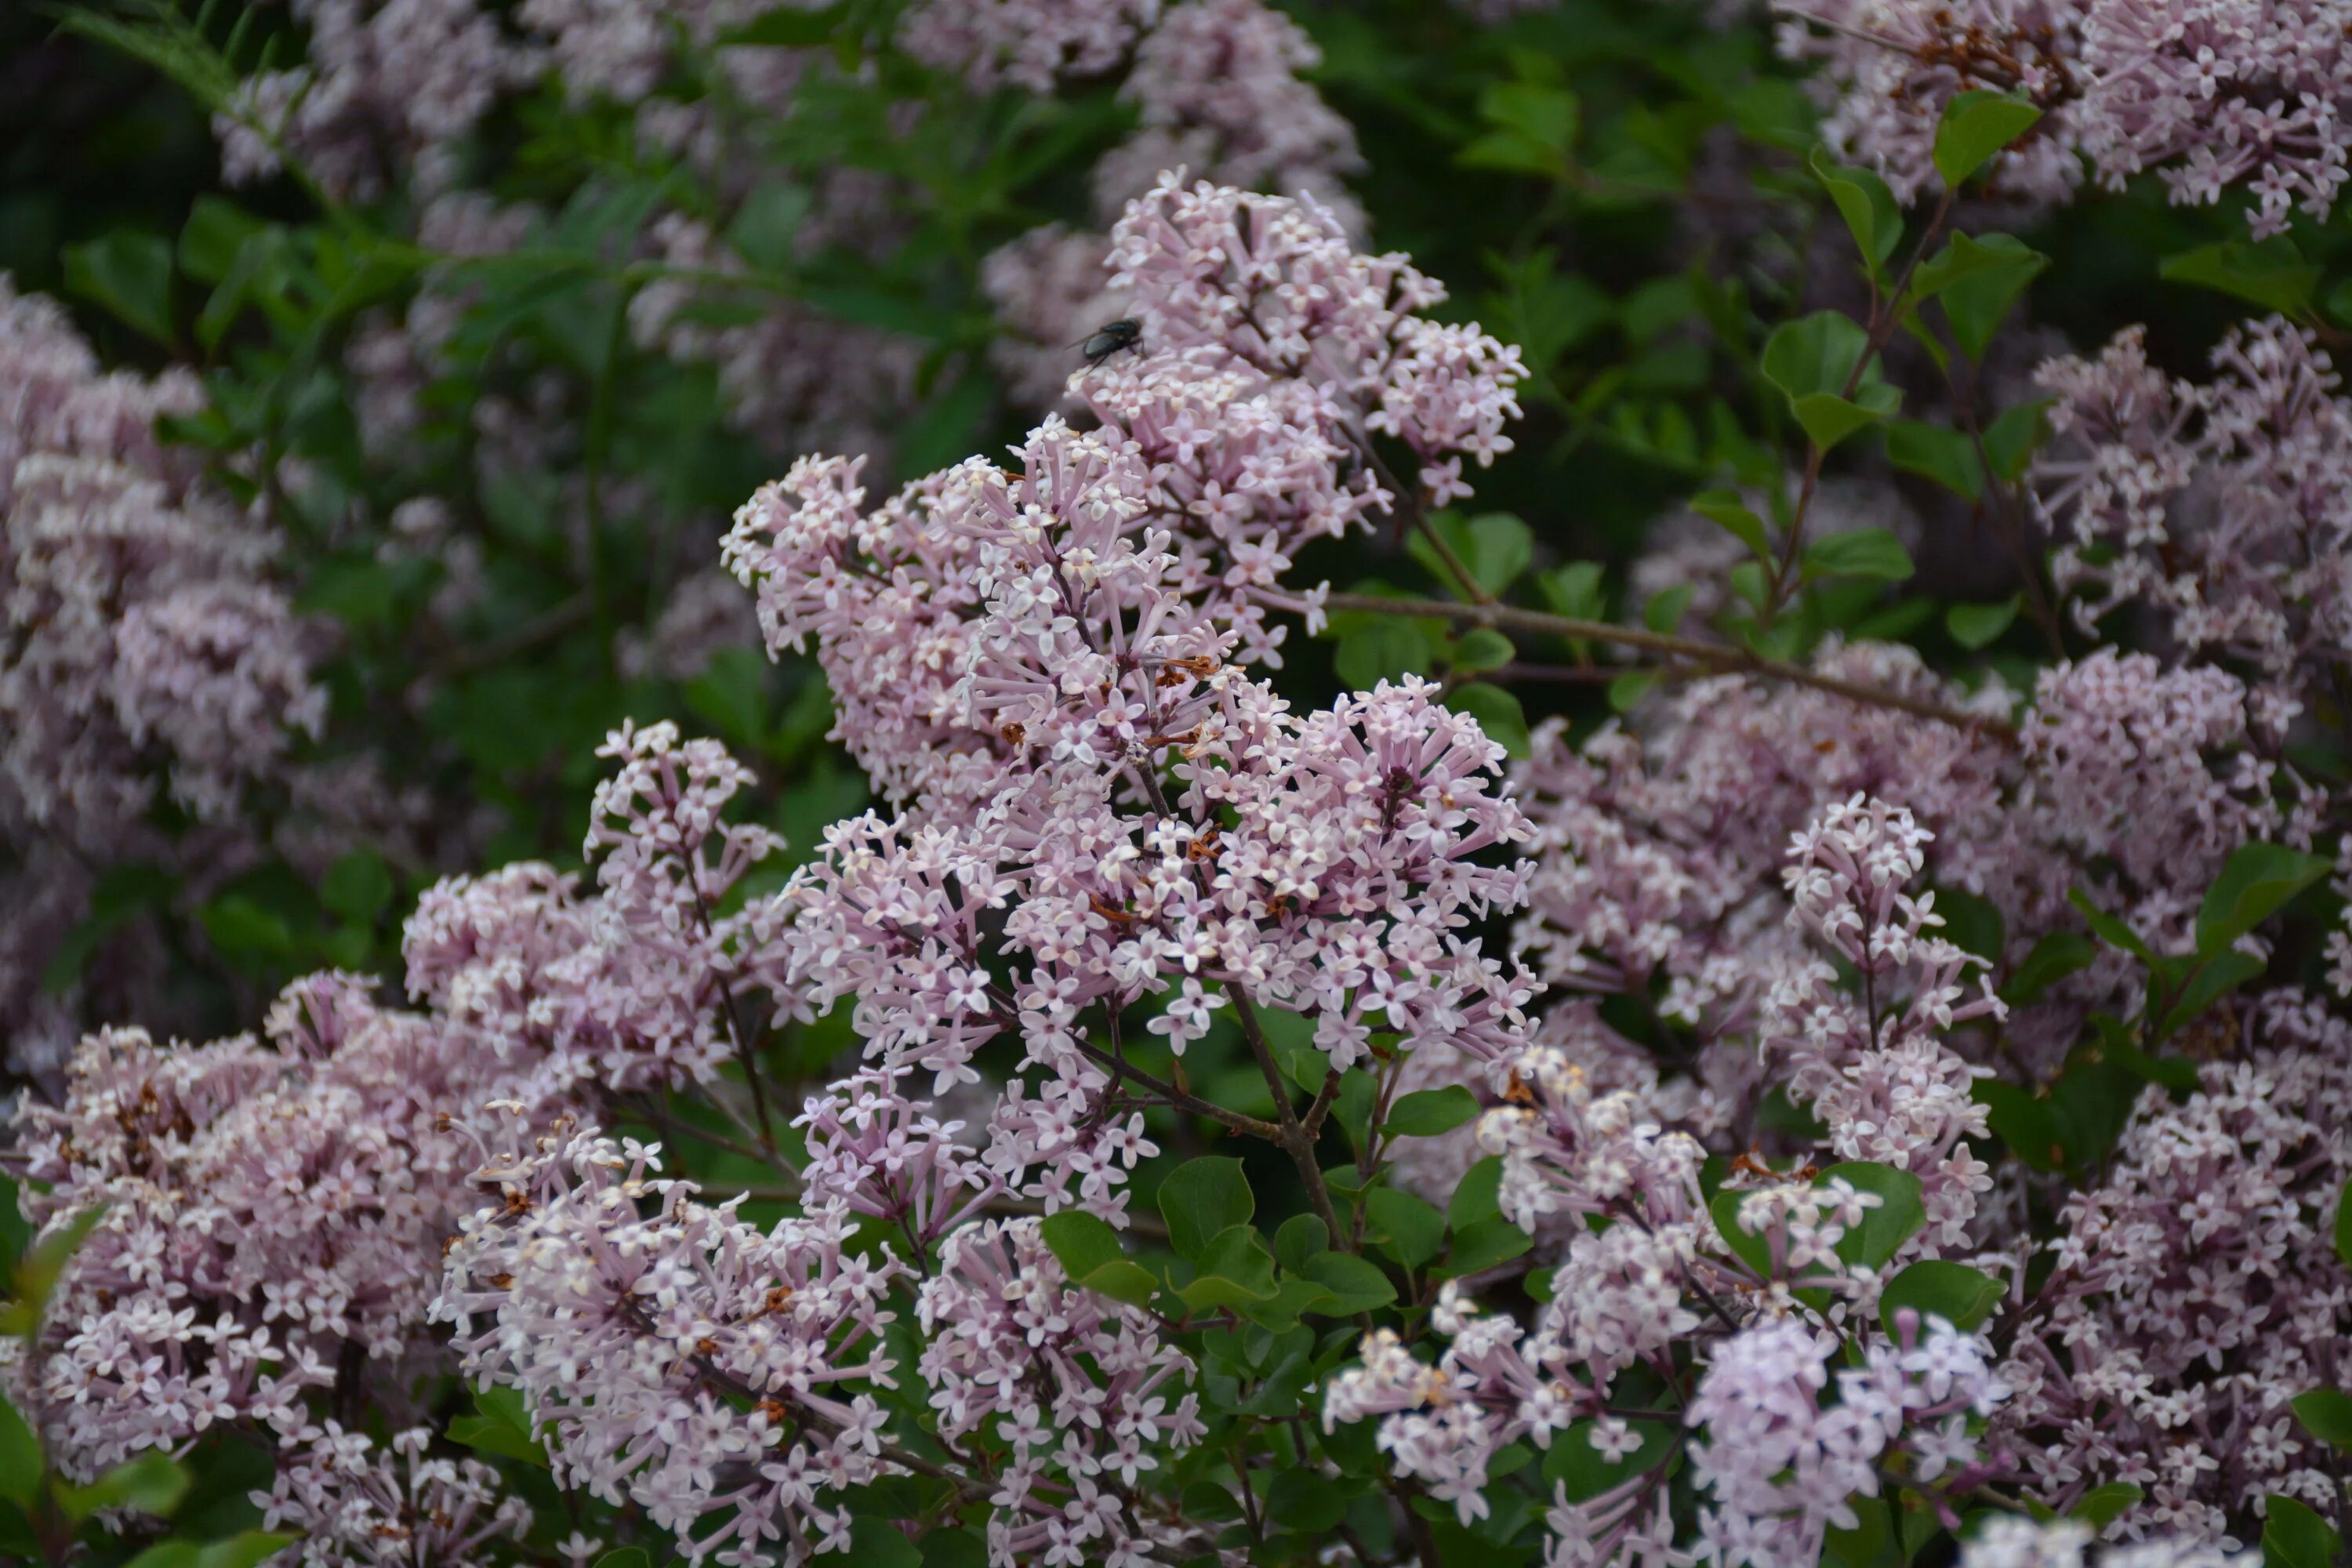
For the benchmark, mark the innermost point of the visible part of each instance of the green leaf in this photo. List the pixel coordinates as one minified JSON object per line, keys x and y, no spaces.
{"x":1237,"y":1270}
{"x":1535,"y":130}
{"x":1301,"y":1238}
{"x":786,"y":27}
{"x":1982,"y":281}
{"x":1945,"y":456}
{"x":1664,"y":610}
{"x":1483,"y":647}
{"x":1885,"y":1229}
{"x":1725,"y":510}
{"x":1122,"y":1281}
{"x":129,"y":274}
{"x":21,"y":1463}
{"x":878,"y":1544}
{"x":502,"y":1426}
{"x":1431,"y":1111}
{"x":1383,"y":650}
{"x":2110,"y":930}
{"x":1201,"y":1200}
{"x":2254,"y":885}
{"x":1626,"y":691}
{"x":1412,"y":1229}
{"x":767,"y":222}
{"x":626,"y":1557}
{"x":1869,"y":208}
{"x":358,"y":886}
{"x":2294,"y":1536}
{"x":1966,"y":256}
{"x":1859,"y":552}
{"x":2054,"y":957}
{"x":2326,"y":1414}
{"x":1961,"y":1296}
{"x":2010,"y":441}
{"x":2102,"y":1506}
{"x":1356,"y":1284}
{"x":1828,"y":420}
{"x":1080,"y":1242}
{"x":1541,"y":113}
{"x":1574,"y":1463}
{"x":1574,"y":591}
{"x":1975,"y":126}
{"x":1485,"y":1245}
{"x":1500,"y":547}
{"x":1815,"y":354}
{"x":1477,"y":1196}
{"x":216,"y":231}
{"x":246,"y":1549}
{"x":150,"y":1484}
{"x":1975,"y":626}
{"x":1498,"y":714}
{"x":2272,"y":273}
{"x":40,"y":1268}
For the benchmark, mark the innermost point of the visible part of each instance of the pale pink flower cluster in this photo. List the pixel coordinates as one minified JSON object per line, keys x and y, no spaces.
{"x":1782,"y":1468}
{"x":2160,"y":771}
{"x":1029,"y":44}
{"x":1319,"y":865}
{"x":2221,"y":511}
{"x":2012,"y":1541}
{"x":1230,"y":280}
{"x":1442,"y":1424}
{"x":678,"y":1357}
{"x":2211,"y":94}
{"x":1878,"y":1076}
{"x":2195,"y":1293}
{"x":646,"y":982}
{"x":148,"y":651}
{"x":1218,"y":92}
{"x":1067,"y":1397}
{"x":385,"y":86}
{"x":355,"y":1505}
{"x":1244,"y":433}
{"x":876,"y":1152}
{"x":271,"y":1211}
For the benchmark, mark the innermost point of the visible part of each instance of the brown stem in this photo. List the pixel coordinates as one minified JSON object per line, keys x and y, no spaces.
{"x":1716,"y":655}
{"x":1179,"y":1099}
{"x":1292,"y":1134}
{"x":1886,"y":313}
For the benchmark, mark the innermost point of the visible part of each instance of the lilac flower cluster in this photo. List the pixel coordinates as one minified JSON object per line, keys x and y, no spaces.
{"x":2189,"y":1304}
{"x":272,"y":1211}
{"x":1066,"y":1397}
{"x":353,"y":1504}
{"x":1218,"y":90}
{"x":148,"y":657}
{"x":1781,"y":1469}
{"x":643,"y":983}
{"x":2217,"y":510}
{"x":681,"y":1359}
{"x":2208,"y":93}
{"x":1245,"y":434}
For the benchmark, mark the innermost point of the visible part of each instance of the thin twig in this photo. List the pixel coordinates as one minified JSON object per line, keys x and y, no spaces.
{"x":1717,"y":655}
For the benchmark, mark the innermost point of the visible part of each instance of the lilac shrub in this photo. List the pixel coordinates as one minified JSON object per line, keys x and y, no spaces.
{"x":1842,"y":1086}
